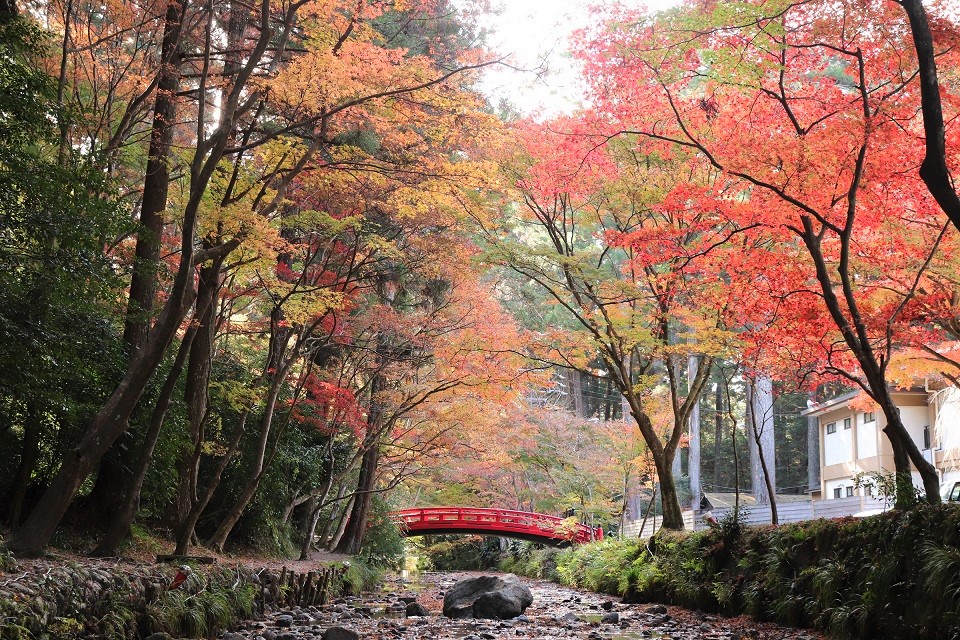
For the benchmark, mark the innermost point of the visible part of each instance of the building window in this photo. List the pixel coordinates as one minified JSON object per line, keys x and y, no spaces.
{"x":846,"y":423}
{"x":849,"y":492}
{"x":831,"y":427}
{"x":870,"y":416}
{"x":926,"y":437}
{"x":838,"y":492}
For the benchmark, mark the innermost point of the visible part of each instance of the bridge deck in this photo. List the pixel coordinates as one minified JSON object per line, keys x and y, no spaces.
{"x":538,"y":527}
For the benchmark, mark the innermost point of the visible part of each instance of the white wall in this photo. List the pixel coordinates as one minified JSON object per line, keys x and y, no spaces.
{"x":866,"y":437}
{"x":843,"y":483}
{"x":915,"y":419}
{"x":837,"y":446}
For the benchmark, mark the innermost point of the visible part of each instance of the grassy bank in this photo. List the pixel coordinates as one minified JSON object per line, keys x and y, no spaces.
{"x":894,"y":576}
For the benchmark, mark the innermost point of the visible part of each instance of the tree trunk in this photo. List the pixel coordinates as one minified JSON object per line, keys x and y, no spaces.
{"x":342,"y":523}
{"x":325,"y":530}
{"x":672,"y":515}
{"x":905,"y":451}
{"x":813,"y":453}
{"x":143,"y":281}
{"x":353,"y":535}
{"x":109,"y":422}
{"x":760,"y":424}
{"x":934,"y":170}
{"x":107,"y":497}
{"x":717,"y":434}
{"x":188,"y":527}
{"x":855,"y":335}
{"x":576,"y":392}
{"x":118,"y":529}
{"x":29,"y":455}
{"x":196,"y":390}
{"x":310,"y":522}
{"x":693,"y":459}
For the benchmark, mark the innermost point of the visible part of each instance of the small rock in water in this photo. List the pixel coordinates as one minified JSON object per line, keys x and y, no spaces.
{"x":610,"y":618}
{"x":284,"y":621}
{"x":416,"y":609}
{"x":657,"y":608}
{"x":606,"y":605}
{"x":231,"y":635}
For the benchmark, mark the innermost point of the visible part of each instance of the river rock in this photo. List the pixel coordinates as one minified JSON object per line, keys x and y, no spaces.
{"x":284,"y":621}
{"x":494,"y":597}
{"x":416,"y":609}
{"x":339,"y":633}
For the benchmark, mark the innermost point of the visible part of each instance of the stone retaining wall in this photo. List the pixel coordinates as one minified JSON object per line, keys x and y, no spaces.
{"x":58,"y":599}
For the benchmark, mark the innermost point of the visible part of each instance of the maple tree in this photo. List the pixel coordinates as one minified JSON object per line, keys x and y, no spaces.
{"x":602,"y":231}
{"x":720,"y":80}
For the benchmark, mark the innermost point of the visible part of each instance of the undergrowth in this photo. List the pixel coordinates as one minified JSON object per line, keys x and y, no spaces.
{"x":893,"y":576}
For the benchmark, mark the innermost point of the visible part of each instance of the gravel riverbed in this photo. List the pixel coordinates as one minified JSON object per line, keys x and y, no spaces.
{"x":557,"y":612}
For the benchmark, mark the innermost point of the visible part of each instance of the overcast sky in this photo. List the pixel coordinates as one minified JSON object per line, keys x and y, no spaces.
{"x":534,"y":33}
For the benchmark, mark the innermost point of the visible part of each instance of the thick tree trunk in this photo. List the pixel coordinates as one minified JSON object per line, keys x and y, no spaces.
{"x":717,"y":434}
{"x":672,"y":514}
{"x":143,"y":281}
{"x":342,"y":523}
{"x":353,"y":535}
{"x":310,"y":526}
{"x":115,"y":474}
{"x":576,"y":393}
{"x":762,"y":439}
{"x":762,"y":453}
{"x":109,"y":422}
{"x":29,"y":455}
{"x":813,"y":453}
{"x":119,"y":529}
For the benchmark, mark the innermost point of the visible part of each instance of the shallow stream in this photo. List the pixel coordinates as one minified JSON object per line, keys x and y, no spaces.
{"x":557,"y":612}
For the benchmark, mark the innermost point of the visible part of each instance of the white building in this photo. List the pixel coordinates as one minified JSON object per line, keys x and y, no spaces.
{"x":852,"y":441}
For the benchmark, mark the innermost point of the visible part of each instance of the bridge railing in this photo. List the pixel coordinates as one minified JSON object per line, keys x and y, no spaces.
{"x":505,"y":520}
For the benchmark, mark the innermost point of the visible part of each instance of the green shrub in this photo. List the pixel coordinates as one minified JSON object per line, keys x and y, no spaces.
{"x":531,"y":559}
{"x":458,"y":553}
{"x":361,"y":576}
{"x":896,"y":575}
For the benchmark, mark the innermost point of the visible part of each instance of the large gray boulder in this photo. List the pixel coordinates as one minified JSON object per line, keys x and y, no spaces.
{"x":497,"y":597}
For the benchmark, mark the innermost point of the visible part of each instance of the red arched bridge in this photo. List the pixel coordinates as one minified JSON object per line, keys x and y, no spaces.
{"x":537,"y":527}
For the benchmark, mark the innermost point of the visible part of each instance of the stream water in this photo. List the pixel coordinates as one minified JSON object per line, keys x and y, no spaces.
{"x":557,"y":612}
